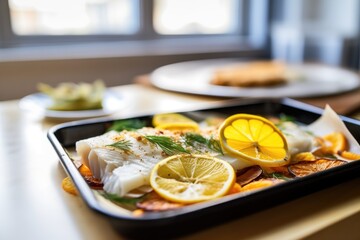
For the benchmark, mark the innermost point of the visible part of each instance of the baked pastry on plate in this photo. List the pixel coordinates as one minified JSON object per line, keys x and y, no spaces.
{"x":252,"y":74}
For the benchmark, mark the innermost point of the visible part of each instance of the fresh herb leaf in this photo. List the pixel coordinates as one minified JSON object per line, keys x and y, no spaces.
{"x":192,"y":138}
{"x":286,"y":118}
{"x":122,"y":145}
{"x":282,"y":119}
{"x":309,"y":132}
{"x":279,"y":176}
{"x":128,"y":124}
{"x":330,"y":156}
{"x":214,"y":145}
{"x":123,"y":200}
{"x":169,"y":146}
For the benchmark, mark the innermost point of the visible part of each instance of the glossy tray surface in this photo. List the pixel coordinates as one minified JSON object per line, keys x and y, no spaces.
{"x":198,"y":216}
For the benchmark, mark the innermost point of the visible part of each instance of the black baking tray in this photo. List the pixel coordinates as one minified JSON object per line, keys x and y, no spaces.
{"x":195,"y":217}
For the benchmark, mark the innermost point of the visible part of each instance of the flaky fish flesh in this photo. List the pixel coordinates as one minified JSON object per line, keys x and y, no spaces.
{"x":124,"y":169}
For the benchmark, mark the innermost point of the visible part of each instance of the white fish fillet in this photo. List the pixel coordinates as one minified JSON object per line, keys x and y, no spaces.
{"x":83,"y":147}
{"x":298,"y":138}
{"x":122,"y":171}
{"x":119,"y":170}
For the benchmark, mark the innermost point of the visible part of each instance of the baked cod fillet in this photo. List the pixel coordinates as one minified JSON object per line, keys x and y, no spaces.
{"x":124,"y":169}
{"x":123,"y":160}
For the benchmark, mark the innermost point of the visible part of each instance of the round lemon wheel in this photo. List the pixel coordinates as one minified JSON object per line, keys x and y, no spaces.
{"x":254,"y":139}
{"x":174,"y":121}
{"x":192,"y":178}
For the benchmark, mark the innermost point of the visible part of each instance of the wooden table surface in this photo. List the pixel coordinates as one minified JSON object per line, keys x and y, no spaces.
{"x":34,"y":206}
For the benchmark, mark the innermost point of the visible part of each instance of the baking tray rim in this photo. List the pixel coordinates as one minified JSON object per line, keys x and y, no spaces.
{"x":89,"y":197}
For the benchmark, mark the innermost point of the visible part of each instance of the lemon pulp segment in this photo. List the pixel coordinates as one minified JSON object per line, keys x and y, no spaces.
{"x":192,"y":178}
{"x":254,"y":139}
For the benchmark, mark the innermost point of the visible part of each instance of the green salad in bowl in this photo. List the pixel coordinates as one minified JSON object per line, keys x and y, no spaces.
{"x":69,"y":96}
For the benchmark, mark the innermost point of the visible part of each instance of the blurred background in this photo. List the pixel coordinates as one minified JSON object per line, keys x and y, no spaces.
{"x":116,"y":40}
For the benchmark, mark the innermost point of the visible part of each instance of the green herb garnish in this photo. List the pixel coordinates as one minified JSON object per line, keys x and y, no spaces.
{"x":192,"y":139}
{"x":128,"y":124}
{"x":169,"y":146}
{"x":129,"y":202}
{"x":116,"y":198}
{"x":286,"y":118}
{"x":282,"y":119}
{"x":279,"y":176}
{"x":330,"y":156}
{"x":214,"y":145}
{"x":122,"y":145}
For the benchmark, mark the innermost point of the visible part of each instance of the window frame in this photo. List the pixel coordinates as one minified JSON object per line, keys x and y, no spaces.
{"x":245,"y":32}
{"x":25,"y":62}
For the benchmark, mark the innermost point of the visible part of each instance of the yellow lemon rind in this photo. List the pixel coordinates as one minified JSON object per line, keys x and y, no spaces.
{"x":227,"y":186}
{"x":243,"y":157}
{"x":178,"y":126}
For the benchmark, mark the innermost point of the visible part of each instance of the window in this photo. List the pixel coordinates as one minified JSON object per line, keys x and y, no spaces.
{"x":191,"y":17}
{"x":56,"y":17}
{"x":317,"y":31}
{"x":43,"y":17}
{"x":34,"y":22}
{"x":57,"y":41}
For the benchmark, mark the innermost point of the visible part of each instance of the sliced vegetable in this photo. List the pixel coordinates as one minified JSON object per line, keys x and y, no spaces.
{"x":305,"y":168}
{"x":246,"y":175}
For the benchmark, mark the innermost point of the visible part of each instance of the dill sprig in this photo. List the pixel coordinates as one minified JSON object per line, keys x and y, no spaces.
{"x":122,"y":145}
{"x":169,"y":146}
{"x":192,"y":139}
{"x":214,"y":145}
{"x":127,"y":124}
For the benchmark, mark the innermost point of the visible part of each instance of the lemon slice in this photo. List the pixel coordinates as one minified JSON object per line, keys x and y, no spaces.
{"x":192,"y":178}
{"x":254,"y":139}
{"x":174,"y":121}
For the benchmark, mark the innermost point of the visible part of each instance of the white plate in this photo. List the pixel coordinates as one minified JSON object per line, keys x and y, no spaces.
{"x":313,"y":80}
{"x":38,"y":103}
